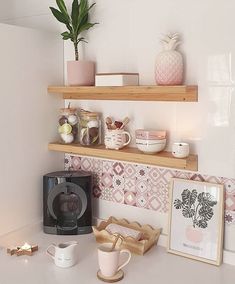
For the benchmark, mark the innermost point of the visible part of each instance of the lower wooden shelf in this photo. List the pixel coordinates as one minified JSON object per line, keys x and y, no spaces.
{"x":163,"y":159}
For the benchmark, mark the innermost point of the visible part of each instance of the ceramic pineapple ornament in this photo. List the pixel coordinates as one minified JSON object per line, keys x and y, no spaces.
{"x":169,"y":62}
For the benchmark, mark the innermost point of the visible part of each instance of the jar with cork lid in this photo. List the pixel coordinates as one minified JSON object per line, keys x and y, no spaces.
{"x":68,"y":125}
{"x":90,"y":128}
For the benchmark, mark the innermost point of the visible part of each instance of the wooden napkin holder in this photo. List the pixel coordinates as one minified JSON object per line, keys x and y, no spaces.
{"x":149,"y":239}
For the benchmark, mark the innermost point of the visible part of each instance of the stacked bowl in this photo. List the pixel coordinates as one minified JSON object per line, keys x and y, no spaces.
{"x":150,"y":141}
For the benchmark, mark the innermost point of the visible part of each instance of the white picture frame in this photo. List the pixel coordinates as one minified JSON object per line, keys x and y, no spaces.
{"x":196,"y":220}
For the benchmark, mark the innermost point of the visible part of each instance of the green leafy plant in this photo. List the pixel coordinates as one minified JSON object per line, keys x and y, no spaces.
{"x":76,"y":22}
{"x":196,"y":206}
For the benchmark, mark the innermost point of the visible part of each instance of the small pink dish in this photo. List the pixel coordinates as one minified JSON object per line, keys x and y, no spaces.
{"x":148,"y":134}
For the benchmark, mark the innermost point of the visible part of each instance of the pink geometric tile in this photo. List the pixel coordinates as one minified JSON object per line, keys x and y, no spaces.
{"x":141,"y":186}
{"x":129,"y":198}
{"x":229,"y":185}
{"x":97,"y":165}
{"x":96,"y":192}
{"x":154,"y":175}
{"x":142,"y":200}
{"x":107,"y":167}
{"x":68,"y":157}
{"x":141,"y":172}
{"x":107,"y":180}
{"x":183,"y":175}
{"x":158,"y":193}
{"x":107,"y":194}
{"x":212,"y":179}
{"x":118,"y":168}
{"x":197,"y":177}
{"x":154,"y":203}
{"x":165,"y":206}
{"x":118,"y":182}
{"x":229,"y":217}
{"x":86,"y":164}
{"x":118,"y":196}
{"x":129,"y":171}
{"x":161,"y":188}
{"x":129,"y":184}
{"x":96,"y":180}
{"x":67,"y":161}
{"x":166,"y":175}
{"x":230,"y":202}
{"x":76,"y":163}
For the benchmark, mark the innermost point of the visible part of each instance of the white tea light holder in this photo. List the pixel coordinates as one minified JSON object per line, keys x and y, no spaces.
{"x":180,"y":150}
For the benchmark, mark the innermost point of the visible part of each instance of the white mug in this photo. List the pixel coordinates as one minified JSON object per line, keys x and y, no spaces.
{"x":65,"y":254}
{"x":109,"y":260}
{"x":180,"y":150}
{"x":116,"y":139}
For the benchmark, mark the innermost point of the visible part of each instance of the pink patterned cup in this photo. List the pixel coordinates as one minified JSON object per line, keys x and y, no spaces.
{"x":109,"y":260}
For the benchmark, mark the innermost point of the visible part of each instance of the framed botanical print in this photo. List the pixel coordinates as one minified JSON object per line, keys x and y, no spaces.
{"x":196,"y":220}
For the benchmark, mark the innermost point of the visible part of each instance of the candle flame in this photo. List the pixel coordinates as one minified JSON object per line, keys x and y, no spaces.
{"x":26,"y":246}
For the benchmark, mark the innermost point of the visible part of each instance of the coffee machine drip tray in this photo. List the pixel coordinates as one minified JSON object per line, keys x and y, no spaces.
{"x":67,"y":206}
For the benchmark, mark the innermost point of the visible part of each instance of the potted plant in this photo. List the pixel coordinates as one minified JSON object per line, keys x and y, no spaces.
{"x":80,"y":72}
{"x":199,"y":208}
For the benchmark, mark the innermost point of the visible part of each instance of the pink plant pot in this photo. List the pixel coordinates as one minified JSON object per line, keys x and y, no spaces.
{"x":194,"y":235}
{"x":81,"y":73}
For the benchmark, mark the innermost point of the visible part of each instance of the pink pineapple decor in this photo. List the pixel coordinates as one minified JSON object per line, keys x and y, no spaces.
{"x":169,"y":62}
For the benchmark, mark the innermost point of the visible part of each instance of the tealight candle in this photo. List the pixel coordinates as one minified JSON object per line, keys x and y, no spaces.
{"x":26,"y":249}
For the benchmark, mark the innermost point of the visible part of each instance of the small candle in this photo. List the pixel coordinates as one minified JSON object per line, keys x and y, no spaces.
{"x":26,"y":249}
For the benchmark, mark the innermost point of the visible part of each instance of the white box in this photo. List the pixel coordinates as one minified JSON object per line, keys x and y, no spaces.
{"x":117,"y":79}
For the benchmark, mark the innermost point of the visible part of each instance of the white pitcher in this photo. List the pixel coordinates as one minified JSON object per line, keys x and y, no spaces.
{"x":65,"y":254}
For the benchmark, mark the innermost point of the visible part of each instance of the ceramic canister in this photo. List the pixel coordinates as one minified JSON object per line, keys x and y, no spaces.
{"x":180,"y":150}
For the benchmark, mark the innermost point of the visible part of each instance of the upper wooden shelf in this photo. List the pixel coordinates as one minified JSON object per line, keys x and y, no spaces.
{"x":129,"y":93}
{"x":163,"y":159}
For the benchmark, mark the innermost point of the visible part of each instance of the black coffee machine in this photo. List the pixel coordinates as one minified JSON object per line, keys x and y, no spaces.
{"x":67,"y":208}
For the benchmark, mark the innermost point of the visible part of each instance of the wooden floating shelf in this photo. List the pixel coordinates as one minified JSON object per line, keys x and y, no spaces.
{"x":181,"y":93}
{"x":163,"y":159}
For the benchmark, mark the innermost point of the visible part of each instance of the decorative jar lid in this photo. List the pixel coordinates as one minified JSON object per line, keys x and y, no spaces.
{"x":86,"y":113}
{"x":68,"y":111}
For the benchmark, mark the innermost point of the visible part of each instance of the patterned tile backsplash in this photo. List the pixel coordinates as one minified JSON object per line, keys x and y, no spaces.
{"x":140,"y":185}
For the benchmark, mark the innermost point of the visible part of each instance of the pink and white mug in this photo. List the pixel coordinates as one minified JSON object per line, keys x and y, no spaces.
{"x":116,"y":139}
{"x":109,"y":260}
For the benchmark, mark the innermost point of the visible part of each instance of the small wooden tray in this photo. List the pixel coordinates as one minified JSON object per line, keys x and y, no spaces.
{"x":150,"y":235}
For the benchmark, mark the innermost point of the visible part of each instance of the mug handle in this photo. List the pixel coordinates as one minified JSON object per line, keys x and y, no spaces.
{"x":49,"y":253}
{"x":126,"y":262}
{"x":129,"y":138}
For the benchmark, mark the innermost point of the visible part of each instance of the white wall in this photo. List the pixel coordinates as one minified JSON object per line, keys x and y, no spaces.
{"x":29,"y":61}
{"x":127,"y":39}
{"x":30,"y":13}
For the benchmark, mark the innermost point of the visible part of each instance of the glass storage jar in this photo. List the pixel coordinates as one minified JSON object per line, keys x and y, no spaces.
{"x":68,"y":125}
{"x":90,"y":128}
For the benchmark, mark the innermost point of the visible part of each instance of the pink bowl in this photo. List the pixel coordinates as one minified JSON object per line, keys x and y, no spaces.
{"x":149,"y":134}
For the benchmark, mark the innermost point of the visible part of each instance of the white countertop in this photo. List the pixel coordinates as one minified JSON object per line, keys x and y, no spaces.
{"x":156,"y":266}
